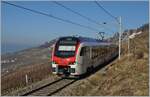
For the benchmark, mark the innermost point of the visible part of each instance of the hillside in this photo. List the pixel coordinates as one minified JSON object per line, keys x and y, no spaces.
{"x":35,"y":55}
{"x":128,"y":76}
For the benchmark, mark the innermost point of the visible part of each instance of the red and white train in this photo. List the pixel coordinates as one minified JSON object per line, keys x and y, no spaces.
{"x":74,"y":56}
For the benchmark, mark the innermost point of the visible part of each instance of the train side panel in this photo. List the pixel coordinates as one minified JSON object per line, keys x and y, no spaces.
{"x":92,"y":56}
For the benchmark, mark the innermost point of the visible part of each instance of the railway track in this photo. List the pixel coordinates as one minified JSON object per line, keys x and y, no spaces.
{"x":50,"y":88}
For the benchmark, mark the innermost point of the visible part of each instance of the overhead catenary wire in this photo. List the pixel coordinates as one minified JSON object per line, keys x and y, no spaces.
{"x":52,"y":16}
{"x":100,"y":6}
{"x":81,"y":15}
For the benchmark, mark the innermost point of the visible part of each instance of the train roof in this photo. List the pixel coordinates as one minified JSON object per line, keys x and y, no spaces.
{"x":85,"y":39}
{"x":88,"y":41}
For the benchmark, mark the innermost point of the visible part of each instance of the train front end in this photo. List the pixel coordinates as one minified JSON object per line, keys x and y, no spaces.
{"x":64,"y":56}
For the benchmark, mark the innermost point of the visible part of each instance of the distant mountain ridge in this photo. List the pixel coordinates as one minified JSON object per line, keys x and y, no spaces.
{"x":125,"y":33}
{"x":48,"y":44}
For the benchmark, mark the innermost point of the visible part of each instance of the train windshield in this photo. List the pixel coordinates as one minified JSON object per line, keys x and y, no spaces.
{"x":66,"y":47}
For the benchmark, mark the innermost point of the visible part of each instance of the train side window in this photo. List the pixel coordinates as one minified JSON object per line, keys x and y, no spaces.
{"x":83,"y":51}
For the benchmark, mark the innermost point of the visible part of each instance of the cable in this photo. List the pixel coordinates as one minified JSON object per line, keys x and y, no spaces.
{"x":75,"y":12}
{"x":49,"y":15}
{"x":106,"y":11}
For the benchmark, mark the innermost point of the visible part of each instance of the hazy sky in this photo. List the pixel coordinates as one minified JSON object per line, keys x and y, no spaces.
{"x":22,"y":27}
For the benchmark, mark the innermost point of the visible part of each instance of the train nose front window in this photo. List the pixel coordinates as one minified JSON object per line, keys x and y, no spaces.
{"x":66,"y":47}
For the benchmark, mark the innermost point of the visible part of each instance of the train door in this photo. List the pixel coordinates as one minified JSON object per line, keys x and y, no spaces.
{"x":84,"y":58}
{"x":87,"y":58}
{"x":82,"y":54}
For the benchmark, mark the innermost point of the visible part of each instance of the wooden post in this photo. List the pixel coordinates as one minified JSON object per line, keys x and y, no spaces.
{"x":26,"y":77}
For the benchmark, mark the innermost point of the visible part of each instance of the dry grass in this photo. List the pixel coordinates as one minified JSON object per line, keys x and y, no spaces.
{"x":16,"y":79}
{"x":126,"y":78}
